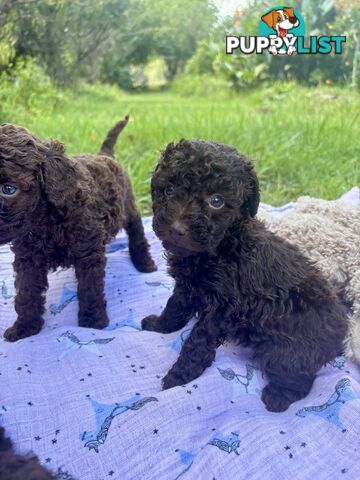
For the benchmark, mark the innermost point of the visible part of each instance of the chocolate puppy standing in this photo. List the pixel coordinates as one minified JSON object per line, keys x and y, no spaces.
{"x":59,"y":212}
{"x":242,"y":282}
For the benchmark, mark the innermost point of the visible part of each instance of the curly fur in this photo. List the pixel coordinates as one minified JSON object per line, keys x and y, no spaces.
{"x":329,"y":233}
{"x":62,"y":214}
{"x":244,"y":283}
{"x":18,"y":467}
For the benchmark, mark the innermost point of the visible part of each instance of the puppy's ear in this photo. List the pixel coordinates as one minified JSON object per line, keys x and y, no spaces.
{"x":289,"y":11}
{"x":269,"y":19}
{"x":63,"y":185}
{"x":252,"y":193}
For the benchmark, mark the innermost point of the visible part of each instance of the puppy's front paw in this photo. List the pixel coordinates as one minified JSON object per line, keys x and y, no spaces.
{"x":92,"y":321}
{"x":18,"y":331}
{"x":171,"y":380}
{"x":142,"y":260}
{"x":275,"y":399}
{"x":11,"y":334}
{"x":147,"y":266}
{"x":151,"y":323}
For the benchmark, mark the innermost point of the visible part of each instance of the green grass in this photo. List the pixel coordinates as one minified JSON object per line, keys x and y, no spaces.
{"x":303,"y":142}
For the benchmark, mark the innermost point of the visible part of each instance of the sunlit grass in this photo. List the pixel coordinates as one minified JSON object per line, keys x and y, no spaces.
{"x":303,"y":142}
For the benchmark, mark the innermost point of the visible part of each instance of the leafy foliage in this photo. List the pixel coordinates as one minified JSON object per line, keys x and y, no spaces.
{"x":26,"y":87}
{"x":86,"y":39}
{"x":114,"y":41}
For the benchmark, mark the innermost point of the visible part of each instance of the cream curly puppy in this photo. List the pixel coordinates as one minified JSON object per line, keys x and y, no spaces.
{"x":329,"y":233}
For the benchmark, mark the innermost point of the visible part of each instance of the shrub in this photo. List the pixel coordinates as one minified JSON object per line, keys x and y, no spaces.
{"x":26,"y":87}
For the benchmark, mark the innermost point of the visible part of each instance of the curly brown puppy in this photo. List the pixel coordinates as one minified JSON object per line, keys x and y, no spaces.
{"x":244,"y":283}
{"x":60,"y":212}
{"x":19,"y":467}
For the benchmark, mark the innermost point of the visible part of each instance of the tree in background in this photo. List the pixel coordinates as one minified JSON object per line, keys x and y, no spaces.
{"x":320,"y":17}
{"x":67,"y":37}
{"x":81,"y":38}
{"x":349,"y":21}
{"x":165,"y":29}
{"x":114,"y":40}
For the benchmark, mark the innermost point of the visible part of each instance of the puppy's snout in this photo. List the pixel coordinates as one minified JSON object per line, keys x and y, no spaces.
{"x":293,"y":20}
{"x":178,"y":229}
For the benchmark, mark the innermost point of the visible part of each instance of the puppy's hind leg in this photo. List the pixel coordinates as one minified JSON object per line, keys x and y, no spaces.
{"x":138,"y":245}
{"x":90,"y":273}
{"x":290,"y":374}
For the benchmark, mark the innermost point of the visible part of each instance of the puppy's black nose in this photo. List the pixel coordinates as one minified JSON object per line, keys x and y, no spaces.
{"x":292,"y":20}
{"x":178,"y":229}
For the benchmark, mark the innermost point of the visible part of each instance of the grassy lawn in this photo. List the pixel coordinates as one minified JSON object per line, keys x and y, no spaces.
{"x":303,"y":142}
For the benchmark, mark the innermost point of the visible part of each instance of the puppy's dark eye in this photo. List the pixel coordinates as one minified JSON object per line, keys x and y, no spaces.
{"x":216,"y":201}
{"x":169,"y":189}
{"x":8,"y":189}
{"x":279,"y":19}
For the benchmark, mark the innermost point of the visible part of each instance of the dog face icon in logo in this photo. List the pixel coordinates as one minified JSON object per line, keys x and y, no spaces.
{"x":282,"y":23}
{"x":281,"y":20}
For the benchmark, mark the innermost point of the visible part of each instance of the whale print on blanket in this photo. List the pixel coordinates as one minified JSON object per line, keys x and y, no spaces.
{"x":331,"y":409}
{"x":161,"y":287}
{"x":187,"y":459}
{"x":116,"y":246}
{"x":71,"y":343}
{"x":177,"y":344}
{"x":126,"y":322}
{"x":7,"y":288}
{"x":247,"y":383}
{"x":225,"y":442}
{"x":338,"y":362}
{"x":68,"y":295}
{"x":104,"y":415}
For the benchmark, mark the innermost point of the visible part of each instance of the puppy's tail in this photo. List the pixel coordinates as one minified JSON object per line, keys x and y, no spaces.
{"x":107,"y":148}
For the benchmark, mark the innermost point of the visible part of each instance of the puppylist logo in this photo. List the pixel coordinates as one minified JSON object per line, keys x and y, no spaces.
{"x":282,"y":32}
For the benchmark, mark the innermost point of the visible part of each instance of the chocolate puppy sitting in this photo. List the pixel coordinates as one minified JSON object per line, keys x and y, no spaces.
{"x":59,"y":212}
{"x":242,"y":282}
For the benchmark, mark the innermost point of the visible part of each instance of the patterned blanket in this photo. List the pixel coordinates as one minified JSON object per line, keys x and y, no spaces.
{"x":89,"y":403}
